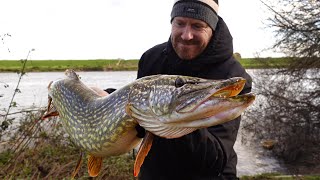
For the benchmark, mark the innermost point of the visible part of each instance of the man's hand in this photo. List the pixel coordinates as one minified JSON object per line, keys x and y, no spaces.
{"x":141,"y":131}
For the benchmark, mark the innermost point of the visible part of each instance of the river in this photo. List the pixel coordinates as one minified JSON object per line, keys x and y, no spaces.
{"x":33,"y":92}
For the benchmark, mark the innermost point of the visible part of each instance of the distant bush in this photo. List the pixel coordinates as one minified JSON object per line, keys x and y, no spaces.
{"x":237,"y":56}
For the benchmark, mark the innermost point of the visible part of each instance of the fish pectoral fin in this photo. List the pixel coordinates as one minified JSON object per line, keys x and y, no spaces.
{"x":143,"y":152}
{"x":76,"y":170}
{"x":94,"y":165}
{"x":135,"y":113}
{"x":128,"y":109}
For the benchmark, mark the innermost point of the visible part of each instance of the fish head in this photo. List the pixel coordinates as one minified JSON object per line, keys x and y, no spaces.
{"x":172,"y":101}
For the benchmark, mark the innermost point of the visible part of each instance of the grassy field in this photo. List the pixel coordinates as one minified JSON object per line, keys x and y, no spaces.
{"x":115,"y":64}
{"x":61,"y":65}
{"x":260,"y":63}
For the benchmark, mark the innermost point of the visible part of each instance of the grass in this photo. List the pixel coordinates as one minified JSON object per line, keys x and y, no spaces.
{"x":61,"y":65}
{"x":40,"y":150}
{"x":116,"y":64}
{"x":260,"y":63}
{"x":267,"y":176}
{"x":48,"y":161}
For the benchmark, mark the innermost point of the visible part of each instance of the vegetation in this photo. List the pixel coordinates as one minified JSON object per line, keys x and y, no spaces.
{"x":62,"y":65}
{"x":40,"y":150}
{"x":116,"y":65}
{"x":287,"y":110}
{"x":270,"y":176}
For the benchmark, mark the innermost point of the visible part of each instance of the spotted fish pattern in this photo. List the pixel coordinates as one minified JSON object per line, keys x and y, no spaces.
{"x":169,"y":106}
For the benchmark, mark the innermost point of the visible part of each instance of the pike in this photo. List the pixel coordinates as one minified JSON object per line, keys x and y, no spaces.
{"x":168,"y":106}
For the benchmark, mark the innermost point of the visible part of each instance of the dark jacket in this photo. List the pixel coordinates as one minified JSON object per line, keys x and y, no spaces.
{"x":206,"y":153}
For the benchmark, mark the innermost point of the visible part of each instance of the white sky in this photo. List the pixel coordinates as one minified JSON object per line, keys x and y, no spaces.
{"x":109,"y":29}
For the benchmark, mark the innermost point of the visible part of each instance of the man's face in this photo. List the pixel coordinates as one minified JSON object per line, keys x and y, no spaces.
{"x":189,"y":37}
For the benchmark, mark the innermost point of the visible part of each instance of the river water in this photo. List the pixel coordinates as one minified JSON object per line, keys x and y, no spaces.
{"x":33,"y":92}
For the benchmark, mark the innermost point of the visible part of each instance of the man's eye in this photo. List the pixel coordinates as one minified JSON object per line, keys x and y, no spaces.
{"x":179,"y":82}
{"x":179,"y":24}
{"x":197,"y":27}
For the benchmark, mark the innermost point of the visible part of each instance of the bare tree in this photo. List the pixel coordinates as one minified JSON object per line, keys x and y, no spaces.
{"x":297,"y":27}
{"x":288,"y":106}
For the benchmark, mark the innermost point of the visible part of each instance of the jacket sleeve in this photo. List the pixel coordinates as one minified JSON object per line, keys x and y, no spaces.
{"x":227,"y":132}
{"x":207,"y":152}
{"x":140,"y":72}
{"x":151,"y":62}
{"x":141,"y":66}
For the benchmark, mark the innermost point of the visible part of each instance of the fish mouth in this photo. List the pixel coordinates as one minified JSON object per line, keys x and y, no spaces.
{"x":227,"y":90}
{"x":220,"y":105}
{"x":214,"y":111}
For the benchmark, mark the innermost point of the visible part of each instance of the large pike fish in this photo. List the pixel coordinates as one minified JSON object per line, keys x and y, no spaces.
{"x":169,"y":106}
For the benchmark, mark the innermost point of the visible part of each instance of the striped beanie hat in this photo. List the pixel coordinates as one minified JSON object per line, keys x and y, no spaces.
{"x":205,"y":10}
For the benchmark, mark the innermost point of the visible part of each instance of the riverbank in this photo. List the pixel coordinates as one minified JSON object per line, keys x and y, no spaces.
{"x":116,"y":64}
{"x":48,"y":154}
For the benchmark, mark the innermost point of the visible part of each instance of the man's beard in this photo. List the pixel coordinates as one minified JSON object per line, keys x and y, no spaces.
{"x":184,"y":52}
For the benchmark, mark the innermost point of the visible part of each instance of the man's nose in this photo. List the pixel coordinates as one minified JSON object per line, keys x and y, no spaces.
{"x":187,"y":33}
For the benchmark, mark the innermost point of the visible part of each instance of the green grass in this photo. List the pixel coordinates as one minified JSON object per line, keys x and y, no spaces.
{"x":61,"y":65}
{"x":116,"y":65}
{"x":260,"y":63}
{"x":267,"y":176}
{"x":58,"y":162}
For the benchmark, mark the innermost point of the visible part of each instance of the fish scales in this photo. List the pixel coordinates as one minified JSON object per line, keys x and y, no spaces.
{"x":87,"y":122}
{"x":169,"y":106}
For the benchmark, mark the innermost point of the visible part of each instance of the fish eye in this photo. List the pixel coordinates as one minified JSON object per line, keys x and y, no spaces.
{"x":179,"y":82}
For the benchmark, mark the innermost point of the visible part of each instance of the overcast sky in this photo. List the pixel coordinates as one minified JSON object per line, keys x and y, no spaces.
{"x":109,"y":29}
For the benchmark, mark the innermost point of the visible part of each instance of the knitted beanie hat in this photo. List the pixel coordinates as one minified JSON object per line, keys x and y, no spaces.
{"x":205,"y":10}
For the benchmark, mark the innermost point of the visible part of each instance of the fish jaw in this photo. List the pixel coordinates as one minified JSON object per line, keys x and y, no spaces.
{"x":212,"y":112}
{"x":215,"y":111}
{"x":221,"y":89}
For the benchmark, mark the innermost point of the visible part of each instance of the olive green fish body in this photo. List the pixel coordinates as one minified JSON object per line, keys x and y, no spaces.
{"x":96,"y":124}
{"x":169,"y":106}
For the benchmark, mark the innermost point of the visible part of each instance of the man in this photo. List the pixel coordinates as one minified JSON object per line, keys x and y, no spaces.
{"x":200,"y":45}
